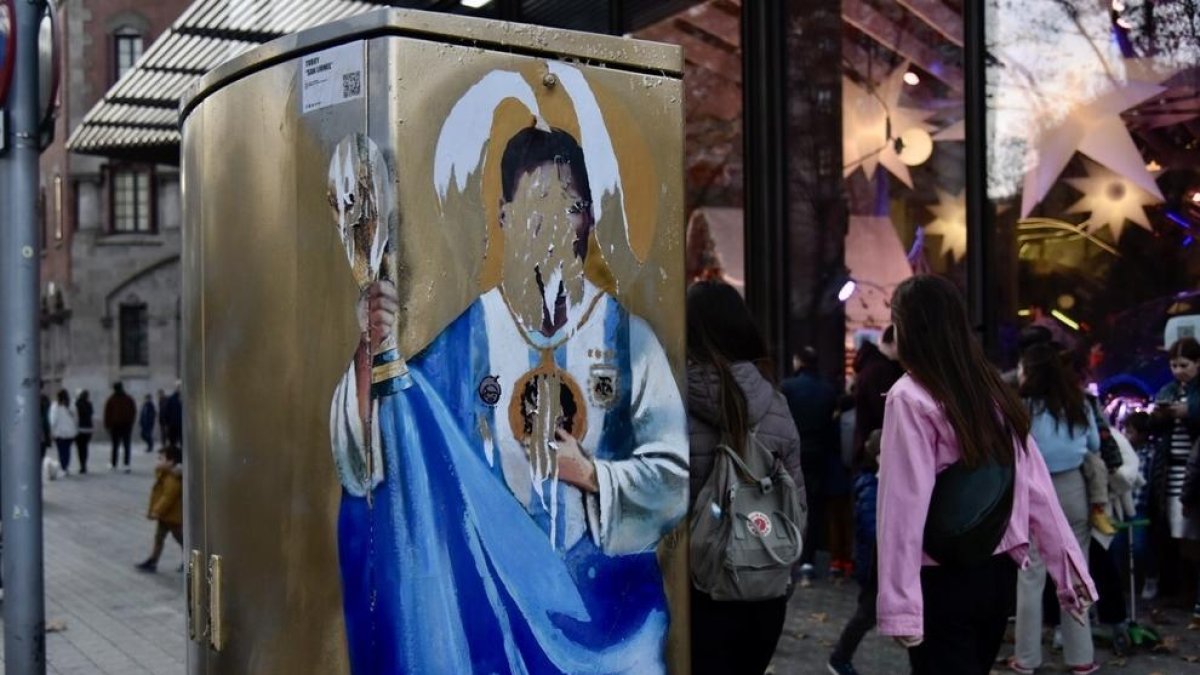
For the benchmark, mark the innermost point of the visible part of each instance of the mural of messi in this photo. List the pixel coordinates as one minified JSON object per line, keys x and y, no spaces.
{"x":504,"y":489}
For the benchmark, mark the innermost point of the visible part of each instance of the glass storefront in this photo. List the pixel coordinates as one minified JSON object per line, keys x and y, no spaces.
{"x":1094,"y":152}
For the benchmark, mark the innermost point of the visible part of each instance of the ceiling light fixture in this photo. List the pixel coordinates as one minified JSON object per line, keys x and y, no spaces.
{"x":476,"y":4}
{"x":847,"y":290}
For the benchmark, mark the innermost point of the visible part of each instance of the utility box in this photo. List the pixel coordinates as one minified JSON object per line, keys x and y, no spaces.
{"x":434,"y":352}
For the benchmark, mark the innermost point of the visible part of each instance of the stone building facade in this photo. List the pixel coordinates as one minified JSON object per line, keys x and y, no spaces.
{"x":110,"y":230}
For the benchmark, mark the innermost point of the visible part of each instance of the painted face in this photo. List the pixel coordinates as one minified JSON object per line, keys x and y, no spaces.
{"x":1184,"y":370}
{"x":543,"y":260}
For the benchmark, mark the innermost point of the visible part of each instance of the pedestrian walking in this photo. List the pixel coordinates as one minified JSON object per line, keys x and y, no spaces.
{"x":63,"y":428}
{"x":84,"y":414}
{"x":120,"y":413}
{"x":728,"y":399}
{"x":960,"y":485}
{"x":813,"y":404}
{"x":866,"y":490}
{"x":1065,"y":432}
{"x":161,"y":402}
{"x":174,"y":415}
{"x":147,"y":419}
{"x":44,"y":408}
{"x":1176,"y":419}
{"x":166,"y":503}
{"x":1145,"y":549}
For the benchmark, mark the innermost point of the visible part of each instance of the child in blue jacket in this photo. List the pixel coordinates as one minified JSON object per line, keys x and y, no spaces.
{"x":866,"y":487}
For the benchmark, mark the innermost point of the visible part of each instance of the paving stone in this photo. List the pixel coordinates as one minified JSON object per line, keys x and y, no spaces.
{"x":123,"y":622}
{"x":118,"y":621}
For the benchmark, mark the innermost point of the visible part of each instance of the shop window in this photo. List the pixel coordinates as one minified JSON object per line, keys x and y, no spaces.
{"x":132,"y":199}
{"x":127,"y":48}
{"x":135,"y":335}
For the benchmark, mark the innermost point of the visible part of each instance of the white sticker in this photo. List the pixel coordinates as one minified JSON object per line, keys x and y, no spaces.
{"x":333,"y":76}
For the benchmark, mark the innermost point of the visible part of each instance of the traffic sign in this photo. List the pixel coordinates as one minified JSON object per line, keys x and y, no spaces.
{"x":49,"y":70}
{"x":8,"y":47}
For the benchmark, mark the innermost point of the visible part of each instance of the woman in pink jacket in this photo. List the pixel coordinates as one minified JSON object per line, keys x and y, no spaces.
{"x":952,"y":406}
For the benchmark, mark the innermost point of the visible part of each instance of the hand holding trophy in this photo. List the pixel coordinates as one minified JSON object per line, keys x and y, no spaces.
{"x":360,"y":192}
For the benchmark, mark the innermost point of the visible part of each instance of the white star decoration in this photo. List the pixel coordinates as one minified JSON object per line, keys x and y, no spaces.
{"x":1094,"y":128}
{"x":1111,"y":200}
{"x":865,"y":117}
{"x":950,"y":223}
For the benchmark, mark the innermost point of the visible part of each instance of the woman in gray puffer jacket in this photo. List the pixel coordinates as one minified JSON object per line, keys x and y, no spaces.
{"x":727,"y":396}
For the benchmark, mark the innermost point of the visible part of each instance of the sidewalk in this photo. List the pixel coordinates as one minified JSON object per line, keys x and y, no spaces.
{"x":118,"y":621}
{"x":121,"y":622}
{"x":816,"y":616}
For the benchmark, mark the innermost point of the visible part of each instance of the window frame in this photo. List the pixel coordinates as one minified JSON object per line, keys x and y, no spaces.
{"x":115,"y":171}
{"x":141,"y":356}
{"x":122,"y":36}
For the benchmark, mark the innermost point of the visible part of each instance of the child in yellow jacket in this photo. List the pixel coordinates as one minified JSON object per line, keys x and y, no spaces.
{"x":166,"y":503}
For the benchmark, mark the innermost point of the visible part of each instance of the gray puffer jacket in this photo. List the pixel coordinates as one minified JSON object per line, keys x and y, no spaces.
{"x":769,"y":415}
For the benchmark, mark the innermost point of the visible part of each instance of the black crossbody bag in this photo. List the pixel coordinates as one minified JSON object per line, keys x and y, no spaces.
{"x":968,"y":513}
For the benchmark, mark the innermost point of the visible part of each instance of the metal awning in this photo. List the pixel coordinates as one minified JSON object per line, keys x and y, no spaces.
{"x":138,"y":120}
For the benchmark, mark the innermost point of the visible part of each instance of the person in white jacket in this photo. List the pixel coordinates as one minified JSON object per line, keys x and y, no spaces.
{"x":63,"y":427}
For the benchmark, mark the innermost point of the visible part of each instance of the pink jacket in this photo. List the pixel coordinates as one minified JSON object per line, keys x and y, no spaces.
{"x":918,"y":442}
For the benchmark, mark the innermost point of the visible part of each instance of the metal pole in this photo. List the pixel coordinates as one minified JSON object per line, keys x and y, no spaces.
{"x":764,"y":90}
{"x":20,"y":409}
{"x":981,"y":286}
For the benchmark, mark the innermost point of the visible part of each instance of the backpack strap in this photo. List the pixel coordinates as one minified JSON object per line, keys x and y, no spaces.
{"x":765,"y":483}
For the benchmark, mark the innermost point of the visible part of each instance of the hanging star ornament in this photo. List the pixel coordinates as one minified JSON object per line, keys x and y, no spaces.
{"x":871,"y":123}
{"x":1094,"y":128}
{"x":1111,"y":200}
{"x":950,"y":223}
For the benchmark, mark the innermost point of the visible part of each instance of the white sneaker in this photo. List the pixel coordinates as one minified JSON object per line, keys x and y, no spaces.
{"x":1150,"y":590}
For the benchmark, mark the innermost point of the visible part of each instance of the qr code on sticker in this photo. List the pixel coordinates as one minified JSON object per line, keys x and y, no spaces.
{"x":352,"y":84}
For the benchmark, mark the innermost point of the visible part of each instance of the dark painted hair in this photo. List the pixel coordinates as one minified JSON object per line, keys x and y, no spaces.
{"x":938,"y":348}
{"x":1052,"y":385}
{"x":1185,"y":348}
{"x":531,"y":147}
{"x":721,"y":332}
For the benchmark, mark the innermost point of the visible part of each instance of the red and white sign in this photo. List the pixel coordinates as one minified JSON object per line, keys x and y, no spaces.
{"x":8,"y":47}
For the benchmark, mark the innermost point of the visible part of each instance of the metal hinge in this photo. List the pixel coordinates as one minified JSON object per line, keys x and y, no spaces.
{"x":216,"y":624}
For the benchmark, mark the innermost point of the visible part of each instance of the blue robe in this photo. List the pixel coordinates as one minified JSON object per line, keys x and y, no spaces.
{"x":445,"y":571}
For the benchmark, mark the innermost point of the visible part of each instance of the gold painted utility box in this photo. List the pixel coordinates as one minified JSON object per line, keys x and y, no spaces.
{"x":433,"y":276}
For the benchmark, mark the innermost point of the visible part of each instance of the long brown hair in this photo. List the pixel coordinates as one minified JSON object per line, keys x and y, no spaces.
{"x":721,"y":332}
{"x":939,"y":350}
{"x":1052,"y":386}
